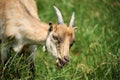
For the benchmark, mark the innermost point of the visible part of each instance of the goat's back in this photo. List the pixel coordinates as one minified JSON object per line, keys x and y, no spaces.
{"x":14,"y":13}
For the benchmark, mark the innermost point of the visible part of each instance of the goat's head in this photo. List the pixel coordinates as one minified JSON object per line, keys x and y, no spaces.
{"x":60,"y":39}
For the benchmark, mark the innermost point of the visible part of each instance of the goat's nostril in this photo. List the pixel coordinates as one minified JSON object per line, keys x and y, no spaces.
{"x":66,"y":58}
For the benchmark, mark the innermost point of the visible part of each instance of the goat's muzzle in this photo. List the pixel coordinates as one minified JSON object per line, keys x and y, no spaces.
{"x":61,"y":62}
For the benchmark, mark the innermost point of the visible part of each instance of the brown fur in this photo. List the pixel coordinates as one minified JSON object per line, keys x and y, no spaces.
{"x":17,"y":15}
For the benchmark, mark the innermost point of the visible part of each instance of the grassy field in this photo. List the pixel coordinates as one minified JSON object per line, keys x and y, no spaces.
{"x":96,"y":53}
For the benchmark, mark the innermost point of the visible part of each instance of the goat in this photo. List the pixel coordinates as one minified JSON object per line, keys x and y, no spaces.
{"x":20,"y":24}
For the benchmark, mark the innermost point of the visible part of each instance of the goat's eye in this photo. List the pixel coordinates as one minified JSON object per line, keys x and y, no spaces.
{"x":57,"y":39}
{"x":72,"y":43}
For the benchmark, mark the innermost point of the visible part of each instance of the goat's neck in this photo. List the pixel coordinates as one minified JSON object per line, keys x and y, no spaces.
{"x":36,"y":34}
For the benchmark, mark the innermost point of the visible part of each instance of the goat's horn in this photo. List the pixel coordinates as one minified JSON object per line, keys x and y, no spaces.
{"x":59,"y":15}
{"x":72,"y":21}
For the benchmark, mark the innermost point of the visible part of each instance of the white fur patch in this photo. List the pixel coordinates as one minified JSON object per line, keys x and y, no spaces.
{"x":51,"y":47}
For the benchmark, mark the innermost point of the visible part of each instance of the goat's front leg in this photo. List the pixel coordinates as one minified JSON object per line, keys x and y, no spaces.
{"x":5,"y":48}
{"x":4,"y":52}
{"x":30,"y":51}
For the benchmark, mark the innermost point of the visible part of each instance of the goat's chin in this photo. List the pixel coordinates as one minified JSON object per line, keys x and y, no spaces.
{"x":60,"y":63}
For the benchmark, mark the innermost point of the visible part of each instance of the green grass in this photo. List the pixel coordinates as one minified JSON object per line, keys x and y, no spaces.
{"x":96,"y":53}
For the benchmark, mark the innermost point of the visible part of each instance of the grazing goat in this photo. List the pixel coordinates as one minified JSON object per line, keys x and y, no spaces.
{"x":20,"y":24}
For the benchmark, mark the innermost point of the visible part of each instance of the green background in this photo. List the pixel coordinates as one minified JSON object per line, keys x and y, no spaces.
{"x":96,"y":52}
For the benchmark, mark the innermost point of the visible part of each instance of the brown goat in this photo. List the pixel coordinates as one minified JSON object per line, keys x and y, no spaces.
{"x":20,"y":24}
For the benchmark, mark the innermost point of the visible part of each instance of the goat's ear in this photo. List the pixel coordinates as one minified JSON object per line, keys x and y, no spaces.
{"x":75,"y":28}
{"x":50,"y":27}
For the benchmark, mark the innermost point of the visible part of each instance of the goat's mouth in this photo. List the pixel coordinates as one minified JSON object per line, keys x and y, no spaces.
{"x":61,"y":63}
